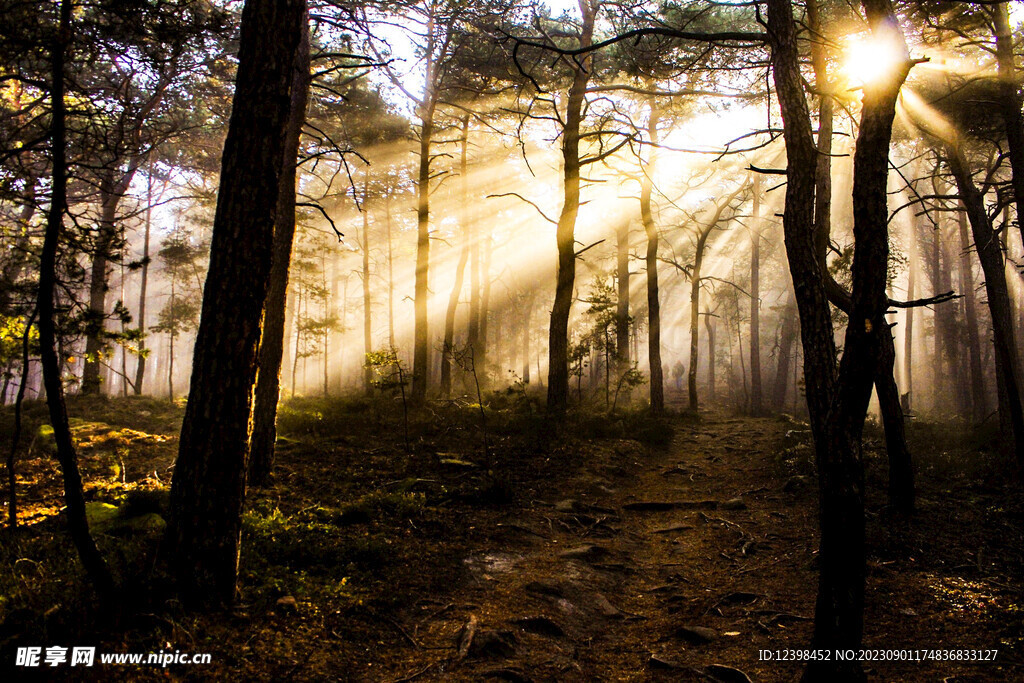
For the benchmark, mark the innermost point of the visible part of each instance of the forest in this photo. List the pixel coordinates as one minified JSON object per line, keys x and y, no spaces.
{"x":521,"y":340}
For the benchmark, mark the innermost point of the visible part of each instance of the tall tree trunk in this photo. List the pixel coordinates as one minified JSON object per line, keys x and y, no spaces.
{"x":391,"y":274}
{"x":1009,"y":106}
{"x":140,"y":367}
{"x":208,"y":490}
{"x":691,"y":377}
{"x":979,"y":398}
{"x":651,"y":261}
{"x":78,"y":524}
{"x":367,"y":303}
{"x":755,"y":304}
{"x":787,"y":337}
{"x":622,"y":300}
{"x":272,"y":342}
{"x":908,"y":332}
{"x":19,"y":251}
{"x":558,"y":331}
{"x":901,"y":467}
{"x":97,"y":311}
{"x":481,"y":352}
{"x":839,"y":611}
{"x":695,"y":280}
{"x":990,"y":254}
{"x":421,"y":334}
{"x":709,"y":323}
{"x":447,"y":347}
{"x":527,"y":315}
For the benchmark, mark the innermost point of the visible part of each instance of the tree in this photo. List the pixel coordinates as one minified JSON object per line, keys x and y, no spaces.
{"x":181,"y":312}
{"x":268,"y":382}
{"x":203,"y":534}
{"x":78,"y":524}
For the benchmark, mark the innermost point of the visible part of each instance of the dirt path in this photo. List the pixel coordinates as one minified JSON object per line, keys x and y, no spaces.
{"x":642,"y":566}
{"x":671,"y":565}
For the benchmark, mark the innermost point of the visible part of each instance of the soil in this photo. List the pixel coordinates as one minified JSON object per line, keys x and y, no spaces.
{"x":571,"y":556}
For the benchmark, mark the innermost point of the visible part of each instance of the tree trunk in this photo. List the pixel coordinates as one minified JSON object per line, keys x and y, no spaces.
{"x":272,"y":342}
{"x":367,"y":303}
{"x":622,"y":299}
{"x":140,"y":367}
{"x":447,"y":347}
{"x":1009,"y":106}
{"x":653,"y":295}
{"x":421,"y":335}
{"x":991,"y":256}
{"x":979,"y":398}
{"x":901,"y":467}
{"x":787,"y":337}
{"x":755,"y":303}
{"x":840,"y":606}
{"x":97,"y":311}
{"x":710,"y":325}
{"x":391,"y":274}
{"x":908,"y":332}
{"x":78,"y":524}
{"x":207,"y":493}
{"x":839,"y":612}
{"x":691,"y":377}
{"x":558,"y":331}
{"x":527,"y":314}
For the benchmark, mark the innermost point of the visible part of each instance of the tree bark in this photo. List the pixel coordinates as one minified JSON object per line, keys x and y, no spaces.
{"x":447,"y":347}
{"x":622,"y":298}
{"x":558,"y":331}
{"x":421,"y":334}
{"x":203,"y":535}
{"x":272,"y":341}
{"x":1010,"y":105}
{"x":979,"y":398}
{"x":653,"y":295}
{"x":787,"y":337}
{"x":755,"y":304}
{"x":991,"y":256}
{"x":367,"y":303}
{"x":67,"y":457}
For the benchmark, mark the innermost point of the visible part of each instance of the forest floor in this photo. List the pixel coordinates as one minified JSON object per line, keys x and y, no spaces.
{"x":616,"y":548}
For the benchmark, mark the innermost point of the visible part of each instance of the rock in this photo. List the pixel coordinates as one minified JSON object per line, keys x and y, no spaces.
{"x":566,"y":505}
{"x":726,"y":674}
{"x":489,"y":644}
{"x":286,"y":604}
{"x":540,"y":625}
{"x":696,"y":635}
{"x":734,"y":504}
{"x":101,"y":516}
{"x":105,"y":518}
{"x":544,"y":588}
{"x":605,"y":608}
{"x":587,"y":553}
{"x":662,"y":663}
{"x":151,"y":522}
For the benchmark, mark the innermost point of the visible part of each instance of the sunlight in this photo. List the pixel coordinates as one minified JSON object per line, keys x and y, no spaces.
{"x":869,"y":59}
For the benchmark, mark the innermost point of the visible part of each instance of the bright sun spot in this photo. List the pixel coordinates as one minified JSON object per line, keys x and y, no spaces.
{"x":868,"y":60}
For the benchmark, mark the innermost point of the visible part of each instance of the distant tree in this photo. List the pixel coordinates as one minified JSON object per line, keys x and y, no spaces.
{"x":180,"y":256}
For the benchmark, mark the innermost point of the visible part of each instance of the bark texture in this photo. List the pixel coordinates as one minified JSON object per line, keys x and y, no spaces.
{"x":207,"y":493}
